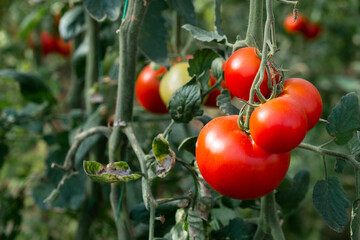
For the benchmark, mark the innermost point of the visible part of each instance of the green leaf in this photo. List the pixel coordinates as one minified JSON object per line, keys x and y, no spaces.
{"x":286,"y":184}
{"x":72,"y":23}
{"x":188,"y":144}
{"x":4,"y":151}
{"x":202,"y":61}
{"x":185,"y":9}
{"x":339,"y":165}
{"x":153,"y":34}
{"x":100,"y":10}
{"x":164,"y":155}
{"x":224,"y":103}
{"x":203,"y":35}
{"x":31,"y":20}
{"x":79,"y":58}
{"x":111,"y":173}
{"x":240,"y":230}
{"x":185,"y":103}
{"x":291,"y":198}
{"x":344,"y":119}
{"x":355,"y":220}
{"x":32,"y":87}
{"x":330,"y":201}
{"x":177,"y":231}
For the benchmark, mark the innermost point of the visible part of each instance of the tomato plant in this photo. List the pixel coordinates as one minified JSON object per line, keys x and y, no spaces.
{"x":279,"y":125}
{"x":233,"y":165}
{"x":240,"y":71}
{"x":294,"y":26}
{"x":172,"y":80}
{"x":147,"y":88}
{"x":307,"y":96}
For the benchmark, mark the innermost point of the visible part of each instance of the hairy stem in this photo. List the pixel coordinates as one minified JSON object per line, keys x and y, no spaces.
{"x":255,"y":25}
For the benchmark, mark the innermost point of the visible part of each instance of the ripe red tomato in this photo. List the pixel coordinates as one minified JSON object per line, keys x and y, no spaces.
{"x":312,"y":30}
{"x":48,"y":43}
{"x":147,"y":89}
{"x":307,"y":96}
{"x":279,"y":125}
{"x":297,"y":26}
{"x":233,"y":165}
{"x":62,"y":47}
{"x":240,"y":71}
{"x":211,"y":98}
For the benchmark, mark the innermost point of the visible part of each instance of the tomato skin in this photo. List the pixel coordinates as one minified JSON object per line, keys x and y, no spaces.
{"x":233,"y":165}
{"x":211,"y":98}
{"x":279,"y":125}
{"x":48,"y":43}
{"x":294,"y":27}
{"x":147,"y":89}
{"x":240,"y":72}
{"x":307,"y":96}
{"x":312,"y":30}
{"x":173,"y":79}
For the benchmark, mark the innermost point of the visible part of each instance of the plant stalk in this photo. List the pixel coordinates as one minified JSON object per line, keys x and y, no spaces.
{"x":254,"y":32}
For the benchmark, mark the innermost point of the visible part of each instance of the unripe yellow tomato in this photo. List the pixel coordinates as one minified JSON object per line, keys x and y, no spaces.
{"x":172,"y":80}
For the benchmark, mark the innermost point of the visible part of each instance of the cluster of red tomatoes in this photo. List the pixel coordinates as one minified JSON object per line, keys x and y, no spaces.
{"x":155,"y":86}
{"x":249,"y":164}
{"x":51,"y":44}
{"x":301,"y":24}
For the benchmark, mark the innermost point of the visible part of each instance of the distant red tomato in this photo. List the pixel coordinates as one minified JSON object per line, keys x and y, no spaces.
{"x":147,"y":89}
{"x":312,"y":30}
{"x":47,"y":42}
{"x":292,"y":26}
{"x":62,"y":47}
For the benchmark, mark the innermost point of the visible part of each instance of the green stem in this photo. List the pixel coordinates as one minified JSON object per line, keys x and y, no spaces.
{"x":325,"y":167}
{"x":272,"y":217}
{"x":92,"y":61}
{"x":255,"y":25}
{"x":322,"y":151}
{"x":357,"y":183}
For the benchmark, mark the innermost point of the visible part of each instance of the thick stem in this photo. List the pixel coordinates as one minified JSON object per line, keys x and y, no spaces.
{"x":254,"y":32}
{"x":92,"y":61}
{"x":128,"y":41}
{"x":272,"y":218}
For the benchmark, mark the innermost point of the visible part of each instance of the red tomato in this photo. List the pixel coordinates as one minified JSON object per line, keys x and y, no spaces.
{"x":48,"y":43}
{"x":233,"y":165}
{"x":292,"y":26}
{"x":240,"y":72}
{"x":312,"y":30}
{"x":211,"y":98}
{"x":147,"y":89}
{"x":62,"y":47}
{"x":307,"y":96}
{"x":279,"y":125}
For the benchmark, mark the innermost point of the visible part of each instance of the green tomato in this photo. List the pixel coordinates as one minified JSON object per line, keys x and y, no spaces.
{"x":172,"y":80}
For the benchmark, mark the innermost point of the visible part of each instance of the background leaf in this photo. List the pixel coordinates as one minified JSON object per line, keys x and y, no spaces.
{"x":355,"y":220}
{"x":224,"y":103}
{"x":153,"y":34}
{"x":344,"y":119}
{"x":72,"y":23}
{"x":31,"y":21}
{"x":290,"y":199}
{"x":330,"y":201}
{"x":32,"y":87}
{"x":203,"y":35}
{"x":185,"y":9}
{"x":202,"y":61}
{"x":100,"y":10}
